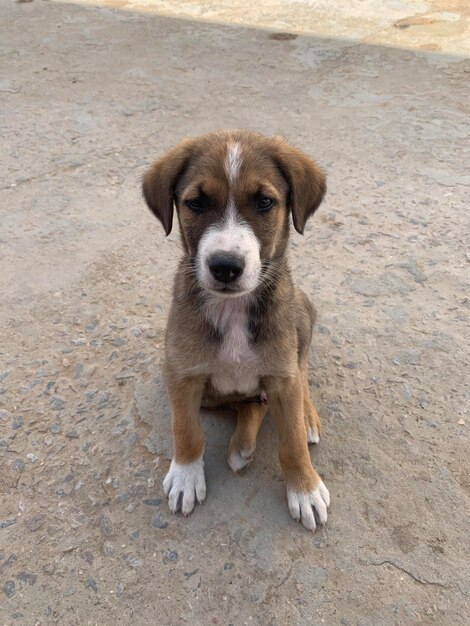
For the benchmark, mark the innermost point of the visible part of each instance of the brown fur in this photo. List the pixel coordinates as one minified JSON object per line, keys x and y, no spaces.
{"x":281,"y":317}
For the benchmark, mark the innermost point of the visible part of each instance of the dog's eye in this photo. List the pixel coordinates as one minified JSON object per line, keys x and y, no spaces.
{"x":264,"y":204}
{"x":195,"y":205}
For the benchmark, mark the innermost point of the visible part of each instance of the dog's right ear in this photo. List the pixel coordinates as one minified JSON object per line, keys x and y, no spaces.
{"x":159,"y":183}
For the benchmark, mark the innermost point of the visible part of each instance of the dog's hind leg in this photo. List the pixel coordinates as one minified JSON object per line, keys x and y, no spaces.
{"x":312,"y":419}
{"x":243,"y":442}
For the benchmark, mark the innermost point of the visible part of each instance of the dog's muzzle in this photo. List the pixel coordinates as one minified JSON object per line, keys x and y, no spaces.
{"x":225,"y":267}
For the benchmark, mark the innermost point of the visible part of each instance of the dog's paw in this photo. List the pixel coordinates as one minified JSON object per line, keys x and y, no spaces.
{"x":184,"y":485}
{"x":313,"y":436}
{"x":310,"y":506}
{"x":238,"y":459}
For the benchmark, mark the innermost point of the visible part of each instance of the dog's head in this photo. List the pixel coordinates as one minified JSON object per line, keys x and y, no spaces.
{"x":234,"y":192}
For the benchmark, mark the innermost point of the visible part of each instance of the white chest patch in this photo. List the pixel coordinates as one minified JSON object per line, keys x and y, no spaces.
{"x":235,"y":369}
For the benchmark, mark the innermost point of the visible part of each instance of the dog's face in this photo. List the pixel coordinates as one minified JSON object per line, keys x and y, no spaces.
{"x":234,"y":192}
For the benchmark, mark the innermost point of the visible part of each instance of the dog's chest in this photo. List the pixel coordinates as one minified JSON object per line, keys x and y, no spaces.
{"x":236,"y":364}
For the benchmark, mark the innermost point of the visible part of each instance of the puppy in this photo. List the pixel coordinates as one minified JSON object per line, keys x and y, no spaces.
{"x":239,"y":330}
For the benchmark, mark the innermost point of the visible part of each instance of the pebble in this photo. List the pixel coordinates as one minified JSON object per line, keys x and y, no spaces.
{"x":106,"y":526}
{"x":152,"y":501}
{"x":119,"y":341}
{"x":136,"y":331}
{"x":132,"y":560}
{"x":18,"y":465}
{"x":72,"y":434}
{"x":90,"y":327}
{"x":55,"y":428}
{"x":135,"y":534}
{"x":228,"y":566}
{"x":79,"y":342}
{"x":7,"y":522}
{"x":31,"y":457}
{"x":9,"y":588}
{"x":18,"y":421}
{"x":26,"y":577}
{"x":159,"y":522}
{"x":170,"y":557}
{"x":90,"y":583}
{"x":36,"y":522}
{"x":4,"y":375}
{"x":66,"y":350}
{"x":119,"y":589}
{"x":57,"y":403}
{"x":407,"y":357}
{"x":123,"y":497}
{"x":108,"y":548}
{"x":78,"y":370}
{"x":120,"y":429}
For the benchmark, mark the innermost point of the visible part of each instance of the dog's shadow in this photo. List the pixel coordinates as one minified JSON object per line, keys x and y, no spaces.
{"x":236,"y":494}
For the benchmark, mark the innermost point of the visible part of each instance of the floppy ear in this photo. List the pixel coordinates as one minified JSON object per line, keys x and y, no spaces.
{"x":307,"y":181}
{"x":159,"y":183}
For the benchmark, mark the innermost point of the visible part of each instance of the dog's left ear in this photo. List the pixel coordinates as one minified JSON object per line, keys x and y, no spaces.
{"x":307,"y":181}
{"x":159,"y":183}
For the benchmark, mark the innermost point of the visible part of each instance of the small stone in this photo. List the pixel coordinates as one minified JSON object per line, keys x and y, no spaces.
{"x":228,"y":566}
{"x":72,"y":434}
{"x":108,"y":548}
{"x":36,"y":522}
{"x":461,"y":422}
{"x":69,"y":592}
{"x":8,"y":522}
{"x":89,"y":395}
{"x":152,"y":501}
{"x":135,"y":534}
{"x":9,"y":588}
{"x":119,"y":589}
{"x":132,"y":561}
{"x":170,"y":557}
{"x":151,"y":334}
{"x":120,"y":429}
{"x":71,"y":543}
{"x":4,"y":375}
{"x":48,"y":441}
{"x":79,"y":342}
{"x":90,"y":327}
{"x":365,"y":287}
{"x":136,"y":331}
{"x":31,"y":457}
{"x":407,"y":357}
{"x":324,"y":330}
{"x":90,"y":583}
{"x":350,"y":365}
{"x":159,"y":522}
{"x":106,"y":526}
{"x":26,"y":577}
{"x":57,"y":403}
{"x":123,"y":497}
{"x":66,"y":350}
{"x":41,"y":373}
{"x":78,"y":370}
{"x":130,"y":507}
{"x":18,"y":422}
{"x":119,"y":341}
{"x":18,"y":465}
{"x":55,"y":428}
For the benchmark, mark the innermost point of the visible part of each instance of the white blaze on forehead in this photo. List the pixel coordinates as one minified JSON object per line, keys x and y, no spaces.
{"x":233,"y":161}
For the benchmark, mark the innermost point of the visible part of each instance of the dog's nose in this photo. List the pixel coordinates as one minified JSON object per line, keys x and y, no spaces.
{"x":226,"y":267}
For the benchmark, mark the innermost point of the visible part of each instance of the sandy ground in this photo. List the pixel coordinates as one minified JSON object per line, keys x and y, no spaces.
{"x":89,"y":96}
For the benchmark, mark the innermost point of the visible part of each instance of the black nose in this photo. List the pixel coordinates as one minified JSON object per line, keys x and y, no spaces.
{"x":226,"y":267}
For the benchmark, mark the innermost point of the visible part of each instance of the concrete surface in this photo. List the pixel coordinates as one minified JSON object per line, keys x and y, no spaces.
{"x":88,"y":97}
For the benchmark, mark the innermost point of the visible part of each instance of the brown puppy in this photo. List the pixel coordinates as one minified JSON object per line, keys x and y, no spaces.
{"x":238,"y":328}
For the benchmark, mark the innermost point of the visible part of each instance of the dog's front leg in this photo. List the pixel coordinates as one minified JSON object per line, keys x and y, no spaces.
{"x":185,"y":482}
{"x":307,"y":496}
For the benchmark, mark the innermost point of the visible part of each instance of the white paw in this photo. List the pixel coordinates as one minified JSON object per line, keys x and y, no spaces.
{"x":304,"y":507}
{"x":238,"y":459}
{"x":184,"y":485}
{"x":312,"y":435}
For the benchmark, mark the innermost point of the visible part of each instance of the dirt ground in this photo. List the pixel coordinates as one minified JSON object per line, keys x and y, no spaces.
{"x":89,"y":96}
